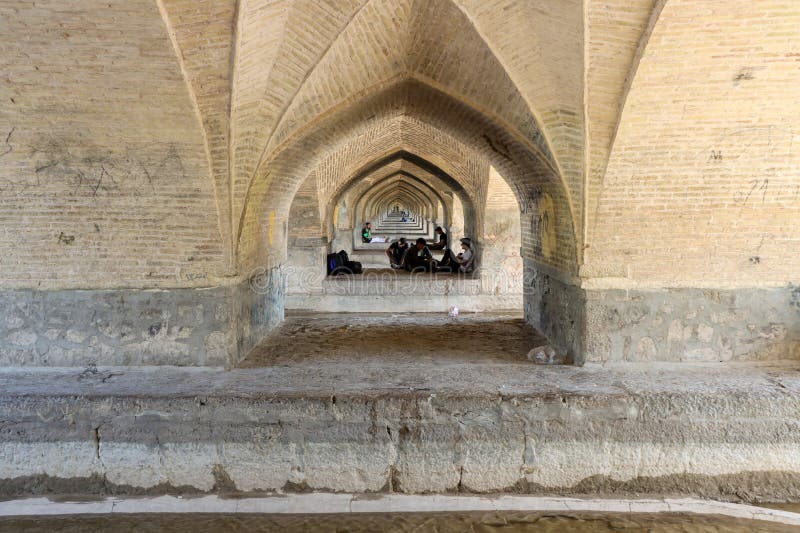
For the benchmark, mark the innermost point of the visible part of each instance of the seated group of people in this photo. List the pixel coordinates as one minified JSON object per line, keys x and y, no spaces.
{"x":418,"y":258}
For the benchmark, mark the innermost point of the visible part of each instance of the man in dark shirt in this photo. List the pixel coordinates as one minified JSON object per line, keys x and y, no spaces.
{"x":396,"y":251}
{"x":418,"y":258}
{"x":366,"y":233}
{"x":441,"y":244}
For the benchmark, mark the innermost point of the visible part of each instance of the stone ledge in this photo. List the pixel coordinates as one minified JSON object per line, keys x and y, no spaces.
{"x":327,"y":503}
{"x":714,"y":431}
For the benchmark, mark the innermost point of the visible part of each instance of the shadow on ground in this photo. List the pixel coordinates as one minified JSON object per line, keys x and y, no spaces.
{"x":386,"y":337}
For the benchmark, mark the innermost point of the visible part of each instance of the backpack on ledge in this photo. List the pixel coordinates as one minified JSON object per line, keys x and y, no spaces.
{"x":339,"y":263}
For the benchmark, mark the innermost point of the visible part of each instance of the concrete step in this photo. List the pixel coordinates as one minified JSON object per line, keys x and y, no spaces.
{"x":705,"y":430}
{"x":377,"y":289}
{"x":375,"y":258}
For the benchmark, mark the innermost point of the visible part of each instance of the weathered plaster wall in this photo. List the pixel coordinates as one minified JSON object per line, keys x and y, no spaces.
{"x":693,"y":325}
{"x":258,"y":306}
{"x":185,"y":327}
{"x":556,"y":307}
{"x":116,"y":327}
{"x":500,"y":247}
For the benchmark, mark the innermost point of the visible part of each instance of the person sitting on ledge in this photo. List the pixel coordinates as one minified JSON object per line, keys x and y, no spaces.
{"x":418,"y":258}
{"x":441,"y":244}
{"x":396,"y":251}
{"x":366,"y":233}
{"x":448,"y":263}
{"x":466,"y":258}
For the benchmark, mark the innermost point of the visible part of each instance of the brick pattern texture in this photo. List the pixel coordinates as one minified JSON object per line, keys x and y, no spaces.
{"x":161,"y":143}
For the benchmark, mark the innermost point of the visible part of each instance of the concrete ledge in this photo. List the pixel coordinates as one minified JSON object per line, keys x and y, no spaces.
{"x":727,"y":432}
{"x":328,"y":503}
{"x":401,"y":304}
{"x":398,"y":291}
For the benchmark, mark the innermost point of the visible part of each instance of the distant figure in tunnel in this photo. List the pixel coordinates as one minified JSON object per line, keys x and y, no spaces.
{"x":441,"y":243}
{"x":418,"y":258}
{"x":396,"y":251}
{"x":366,"y":233}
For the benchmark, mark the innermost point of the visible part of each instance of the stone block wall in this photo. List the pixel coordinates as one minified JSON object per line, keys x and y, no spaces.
{"x":184,"y":327}
{"x":693,"y":325}
{"x":116,"y":327}
{"x":556,"y":307}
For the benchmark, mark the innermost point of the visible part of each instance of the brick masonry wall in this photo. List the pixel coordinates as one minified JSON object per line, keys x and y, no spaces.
{"x":104,"y":180}
{"x":648,"y":145}
{"x":703,"y":181}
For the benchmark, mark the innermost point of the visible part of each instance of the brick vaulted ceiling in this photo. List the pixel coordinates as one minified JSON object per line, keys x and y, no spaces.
{"x":259,"y":71}
{"x":166,"y":135}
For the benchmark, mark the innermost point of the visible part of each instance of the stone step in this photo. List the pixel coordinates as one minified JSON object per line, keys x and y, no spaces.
{"x":409,"y":427}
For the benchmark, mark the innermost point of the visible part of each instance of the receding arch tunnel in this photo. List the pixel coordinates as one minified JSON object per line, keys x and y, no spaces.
{"x":443,"y":159}
{"x":238,"y":152}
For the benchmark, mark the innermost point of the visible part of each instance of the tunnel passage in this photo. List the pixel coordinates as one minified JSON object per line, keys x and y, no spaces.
{"x":452,"y":122}
{"x":670,"y":239}
{"x":405,"y":196}
{"x":241,"y":152}
{"x":509,"y":202}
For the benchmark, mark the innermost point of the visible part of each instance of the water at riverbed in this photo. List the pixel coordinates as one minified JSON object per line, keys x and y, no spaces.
{"x":505,"y":522}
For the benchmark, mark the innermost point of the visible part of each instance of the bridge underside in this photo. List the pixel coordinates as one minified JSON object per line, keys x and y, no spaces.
{"x":174,"y":175}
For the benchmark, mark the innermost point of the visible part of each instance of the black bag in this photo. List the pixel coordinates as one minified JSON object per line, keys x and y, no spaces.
{"x":334,"y":264}
{"x":355,"y":267}
{"x":338,"y":264}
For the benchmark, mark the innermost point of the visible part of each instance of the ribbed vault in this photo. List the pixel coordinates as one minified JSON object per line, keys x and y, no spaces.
{"x":415,"y":117}
{"x":413,"y":194}
{"x":397,"y":167}
{"x":294,"y":61}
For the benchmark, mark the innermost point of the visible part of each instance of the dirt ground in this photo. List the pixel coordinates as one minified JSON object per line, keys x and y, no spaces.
{"x":408,"y":337}
{"x":509,"y":522}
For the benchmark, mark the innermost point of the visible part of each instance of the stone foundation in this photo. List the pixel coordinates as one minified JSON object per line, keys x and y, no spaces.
{"x":219,"y":326}
{"x":115,"y":327}
{"x":713,"y":432}
{"x":555,"y":307}
{"x":260,"y":304}
{"x":183,"y":327}
{"x":693,"y":325}
{"x":685,"y":324}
